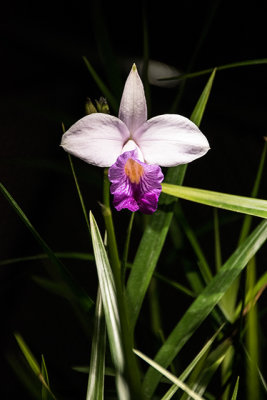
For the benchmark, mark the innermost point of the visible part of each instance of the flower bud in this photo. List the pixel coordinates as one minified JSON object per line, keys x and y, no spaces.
{"x":89,"y":107}
{"x":102,"y":105}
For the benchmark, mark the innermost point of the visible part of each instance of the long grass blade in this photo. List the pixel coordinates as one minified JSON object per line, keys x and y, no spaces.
{"x":234,"y":395}
{"x":241,"y":204}
{"x":33,"y":364}
{"x":207,"y":71}
{"x":169,"y":375}
{"x":252,"y":337}
{"x":68,"y":255}
{"x":173,"y":389}
{"x":59,"y":272}
{"x":204,"y":304}
{"x":110,"y":305}
{"x":95,"y":388}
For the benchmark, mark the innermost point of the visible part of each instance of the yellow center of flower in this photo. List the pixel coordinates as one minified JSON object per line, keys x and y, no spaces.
{"x":133,"y":170}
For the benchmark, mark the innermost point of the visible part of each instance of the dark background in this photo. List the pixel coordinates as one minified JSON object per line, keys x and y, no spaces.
{"x":45,"y":82}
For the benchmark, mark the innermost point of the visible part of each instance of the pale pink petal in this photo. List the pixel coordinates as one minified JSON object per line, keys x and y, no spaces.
{"x":97,"y":139}
{"x":131,"y":145}
{"x":169,"y":140}
{"x":133,"y":108}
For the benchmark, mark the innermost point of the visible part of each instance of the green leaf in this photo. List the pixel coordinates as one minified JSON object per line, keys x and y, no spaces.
{"x":79,"y":192}
{"x":168,"y":375}
{"x":200,"y":107}
{"x":246,"y":63}
{"x":252,"y":336}
{"x":234,"y":396}
{"x":95,"y":388}
{"x":59,"y":272}
{"x":205,"y":371}
{"x":108,"y":294}
{"x":28,"y":355}
{"x":246,"y":205}
{"x":71,"y":255}
{"x":204,"y":304}
{"x":46,"y":393}
{"x":156,"y":230}
{"x":33,"y":364}
{"x":192,"y":365}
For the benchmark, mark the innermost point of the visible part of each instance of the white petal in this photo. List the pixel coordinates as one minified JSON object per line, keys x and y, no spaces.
{"x":131,"y":145}
{"x":169,"y":140}
{"x":97,"y":139}
{"x":133,"y":109}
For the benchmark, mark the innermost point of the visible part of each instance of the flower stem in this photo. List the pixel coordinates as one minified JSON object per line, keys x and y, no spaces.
{"x":132,"y":373}
{"x":126,"y":247}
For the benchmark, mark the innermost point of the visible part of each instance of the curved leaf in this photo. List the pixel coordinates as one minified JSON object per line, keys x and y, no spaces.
{"x":246,"y":205}
{"x":204,"y":304}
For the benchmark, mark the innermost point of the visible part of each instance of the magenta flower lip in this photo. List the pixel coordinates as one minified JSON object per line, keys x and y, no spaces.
{"x":134,"y":184}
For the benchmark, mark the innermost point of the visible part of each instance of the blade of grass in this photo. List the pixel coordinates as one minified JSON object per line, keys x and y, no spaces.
{"x":67,"y":255}
{"x":114,"y":315}
{"x":95,"y":388}
{"x":168,"y":375}
{"x":79,"y":193}
{"x":202,"y":262}
{"x":157,"y":228}
{"x":231,"y":296}
{"x":252,"y":335}
{"x":204,"y":372}
{"x":203,"y":352}
{"x":234,"y":396}
{"x":242,"y":204}
{"x":59,"y":272}
{"x":46,"y":395}
{"x":207,"y":71}
{"x":204,"y":304}
{"x":33,"y":364}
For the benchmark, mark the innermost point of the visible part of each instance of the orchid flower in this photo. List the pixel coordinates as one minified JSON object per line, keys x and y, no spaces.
{"x":134,"y":148}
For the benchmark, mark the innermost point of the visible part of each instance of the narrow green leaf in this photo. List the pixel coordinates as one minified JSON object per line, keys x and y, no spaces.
{"x":95,"y":388}
{"x":230,"y":297}
{"x":246,"y":205}
{"x":168,"y":375}
{"x":191,"y":236}
{"x":238,"y":64}
{"x":253,"y":294}
{"x":204,"y":304}
{"x":205,"y":371}
{"x":248,"y":219}
{"x":200,"y":107}
{"x":33,"y":364}
{"x":173,"y":389}
{"x":30,"y":382}
{"x":103,"y":88}
{"x":59,"y":272}
{"x":234,"y":396}
{"x":79,"y":193}
{"x":28,"y":355}
{"x":46,"y":394}
{"x":156,"y":230}
{"x":71,"y":255}
{"x":108,"y":294}
{"x":252,"y":337}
